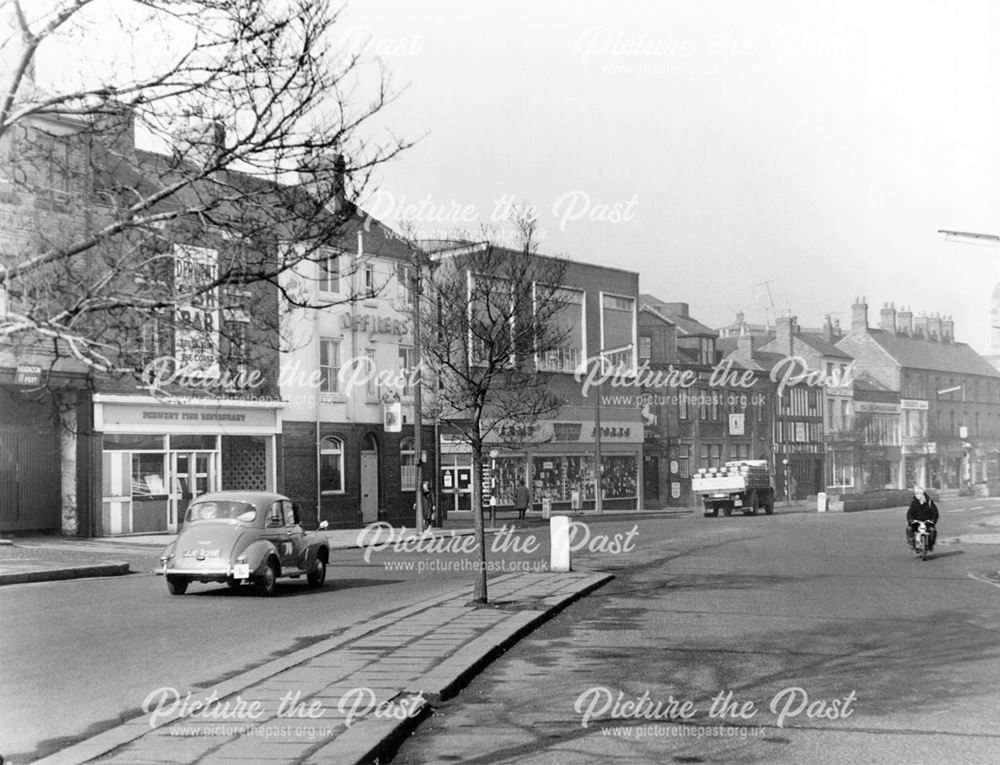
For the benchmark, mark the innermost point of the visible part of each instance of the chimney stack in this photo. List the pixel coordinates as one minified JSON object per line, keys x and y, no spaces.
{"x":785,"y":329}
{"x":888,"y":317}
{"x":829,"y":333}
{"x":934,"y":327}
{"x":905,"y":322}
{"x":859,"y":315}
{"x":744,"y":348}
{"x":920,"y":326}
{"x":948,"y":330}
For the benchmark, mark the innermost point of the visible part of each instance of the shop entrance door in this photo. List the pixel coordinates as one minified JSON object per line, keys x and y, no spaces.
{"x":456,"y":488}
{"x":195,"y":473}
{"x":369,"y":487}
{"x":651,"y":480}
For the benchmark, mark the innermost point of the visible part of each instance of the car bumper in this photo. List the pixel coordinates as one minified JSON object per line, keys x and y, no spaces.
{"x":214,"y":574}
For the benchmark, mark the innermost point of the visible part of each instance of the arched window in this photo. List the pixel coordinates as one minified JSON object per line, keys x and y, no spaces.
{"x":407,"y":465}
{"x":331,"y":466}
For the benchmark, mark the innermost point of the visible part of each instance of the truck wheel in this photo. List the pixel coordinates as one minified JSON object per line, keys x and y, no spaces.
{"x":727,"y":509}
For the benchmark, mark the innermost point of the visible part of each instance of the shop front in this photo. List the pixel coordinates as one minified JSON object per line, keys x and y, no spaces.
{"x":558,"y":461}
{"x":156,"y":456}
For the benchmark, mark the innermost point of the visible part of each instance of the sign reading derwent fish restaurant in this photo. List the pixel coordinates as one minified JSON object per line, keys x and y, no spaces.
{"x":212,"y":417}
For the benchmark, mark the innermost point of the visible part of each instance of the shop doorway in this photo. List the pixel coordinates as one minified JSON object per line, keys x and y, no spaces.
{"x":456,"y":488}
{"x":369,"y":480}
{"x":651,"y":480}
{"x":195,"y":473}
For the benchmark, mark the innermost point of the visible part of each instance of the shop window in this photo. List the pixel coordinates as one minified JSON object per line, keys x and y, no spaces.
{"x":407,"y":465}
{"x":618,"y":480}
{"x":331,"y":466}
{"x":509,"y":474}
{"x":329,"y":365}
{"x":148,"y":475}
{"x":561,"y":478}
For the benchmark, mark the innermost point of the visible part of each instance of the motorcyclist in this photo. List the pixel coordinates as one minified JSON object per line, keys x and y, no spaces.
{"x":922,"y":508}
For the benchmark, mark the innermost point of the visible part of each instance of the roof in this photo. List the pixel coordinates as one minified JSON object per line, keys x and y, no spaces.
{"x":685,"y":324}
{"x":919,"y":353}
{"x":822,"y":345}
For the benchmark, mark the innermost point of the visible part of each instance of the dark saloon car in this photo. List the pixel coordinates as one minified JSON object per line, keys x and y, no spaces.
{"x":244,"y":537}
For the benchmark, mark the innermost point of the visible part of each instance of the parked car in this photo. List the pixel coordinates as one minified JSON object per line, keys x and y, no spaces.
{"x":244,"y":537}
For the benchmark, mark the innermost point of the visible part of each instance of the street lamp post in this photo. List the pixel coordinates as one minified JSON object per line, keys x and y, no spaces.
{"x":418,"y":413}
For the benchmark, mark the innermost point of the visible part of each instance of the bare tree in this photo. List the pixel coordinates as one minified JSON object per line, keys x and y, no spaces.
{"x":119,"y":246}
{"x":494,"y":316}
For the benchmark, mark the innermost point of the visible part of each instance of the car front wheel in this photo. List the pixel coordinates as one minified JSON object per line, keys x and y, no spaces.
{"x":177,"y":585}
{"x":266,"y":581}
{"x":317,"y":574}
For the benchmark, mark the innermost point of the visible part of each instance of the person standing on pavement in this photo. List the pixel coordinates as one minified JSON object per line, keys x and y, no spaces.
{"x":522,"y":500}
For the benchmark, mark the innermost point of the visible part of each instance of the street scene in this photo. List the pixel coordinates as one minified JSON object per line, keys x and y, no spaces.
{"x":448,"y":382}
{"x":799,"y":637}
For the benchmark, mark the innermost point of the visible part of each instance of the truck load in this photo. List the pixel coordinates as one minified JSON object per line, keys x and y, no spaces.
{"x":739,"y":485}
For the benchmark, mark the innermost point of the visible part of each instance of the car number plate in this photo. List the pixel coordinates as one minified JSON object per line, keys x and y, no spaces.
{"x":241,"y":571}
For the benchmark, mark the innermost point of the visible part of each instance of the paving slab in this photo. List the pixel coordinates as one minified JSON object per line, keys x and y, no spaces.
{"x":358,"y":705}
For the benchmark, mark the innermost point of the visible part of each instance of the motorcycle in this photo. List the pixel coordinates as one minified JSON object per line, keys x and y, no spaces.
{"x":921,"y":537}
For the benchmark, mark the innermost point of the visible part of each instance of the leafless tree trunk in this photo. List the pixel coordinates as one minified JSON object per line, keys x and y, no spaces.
{"x":492,"y":310}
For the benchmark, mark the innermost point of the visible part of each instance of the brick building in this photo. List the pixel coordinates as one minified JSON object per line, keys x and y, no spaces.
{"x":949,"y":396}
{"x":557,"y":454}
{"x":344,"y":365}
{"x":695,"y":413}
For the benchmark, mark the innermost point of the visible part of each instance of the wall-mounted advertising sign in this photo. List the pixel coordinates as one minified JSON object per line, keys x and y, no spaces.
{"x":196,"y":339}
{"x":28,"y":374}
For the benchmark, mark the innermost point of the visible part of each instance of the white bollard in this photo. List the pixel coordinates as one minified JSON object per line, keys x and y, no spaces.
{"x":821,"y":502}
{"x":559,"y":543}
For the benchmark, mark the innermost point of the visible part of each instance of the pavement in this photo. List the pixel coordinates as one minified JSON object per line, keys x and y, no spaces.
{"x":351,"y":698}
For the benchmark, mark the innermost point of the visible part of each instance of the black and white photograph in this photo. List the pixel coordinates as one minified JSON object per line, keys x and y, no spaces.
{"x":534,"y":382}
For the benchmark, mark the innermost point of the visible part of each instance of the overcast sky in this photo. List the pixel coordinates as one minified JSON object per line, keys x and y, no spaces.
{"x":711,"y":145}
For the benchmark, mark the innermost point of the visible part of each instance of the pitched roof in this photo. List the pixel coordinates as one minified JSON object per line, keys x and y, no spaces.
{"x":918,"y":353}
{"x":822,"y":345}
{"x":685,"y":324}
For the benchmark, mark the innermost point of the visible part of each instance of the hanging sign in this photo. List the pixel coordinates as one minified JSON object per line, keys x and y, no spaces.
{"x":392,"y":417}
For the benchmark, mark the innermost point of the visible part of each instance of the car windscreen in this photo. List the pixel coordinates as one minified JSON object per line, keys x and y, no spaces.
{"x":225,"y":509}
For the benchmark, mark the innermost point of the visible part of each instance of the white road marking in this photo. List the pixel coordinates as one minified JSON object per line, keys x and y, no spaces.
{"x":986,"y":581}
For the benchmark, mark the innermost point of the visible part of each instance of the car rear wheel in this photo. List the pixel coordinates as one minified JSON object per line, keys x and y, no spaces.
{"x":317,"y":574}
{"x":176,"y":585}
{"x":267,"y":580}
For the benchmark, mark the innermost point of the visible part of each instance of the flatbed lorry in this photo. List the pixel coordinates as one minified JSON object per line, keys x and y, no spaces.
{"x":738,"y":485}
